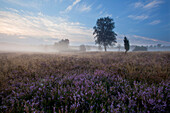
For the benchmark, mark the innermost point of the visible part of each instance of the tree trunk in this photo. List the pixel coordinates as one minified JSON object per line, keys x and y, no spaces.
{"x":105,"y":48}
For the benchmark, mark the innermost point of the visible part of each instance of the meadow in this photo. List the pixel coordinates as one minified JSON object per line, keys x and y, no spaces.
{"x":85,"y":82}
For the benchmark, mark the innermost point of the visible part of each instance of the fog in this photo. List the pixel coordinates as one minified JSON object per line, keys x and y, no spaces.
{"x":6,"y":47}
{"x":11,"y":47}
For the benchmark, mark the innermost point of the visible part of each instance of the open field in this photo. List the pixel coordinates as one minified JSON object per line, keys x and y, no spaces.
{"x":85,"y":82}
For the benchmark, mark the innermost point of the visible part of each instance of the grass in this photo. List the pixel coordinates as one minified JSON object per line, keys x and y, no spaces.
{"x":92,"y":81}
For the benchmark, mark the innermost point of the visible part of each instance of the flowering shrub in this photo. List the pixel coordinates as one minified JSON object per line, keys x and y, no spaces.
{"x":98,"y":92}
{"x":79,"y":85}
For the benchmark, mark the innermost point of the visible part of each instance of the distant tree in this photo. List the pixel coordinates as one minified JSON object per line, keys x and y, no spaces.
{"x":82,"y":48}
{"x":159,"y":45}
{"x":140,"y":48}
{"x":104,"y":33}
{"x":119,"y":46}
{"x":151,"y":46}
{"x":126,"y":44}
{"x":64,"y":43}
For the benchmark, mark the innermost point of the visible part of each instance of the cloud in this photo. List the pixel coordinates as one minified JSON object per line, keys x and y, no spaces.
{"x":139,"y":40}
{"x":149,"y":5}
{"x":138,"y":4}
{"x":40,"y":26}
{"x":141,"y":17}
{"x":104,"y":13}
{"x":145,"y":9}
{"x":108,"y":15}
{"x":155,"y":22}
{"x":21,"y":37}
{"x":24,"y":3}
{"x":69,"y":8}
{"x":152,"y":4}
{"x":84,"y":8}
{"x":151,"y":39}
{"x":99,"y":6}
{"x":13,"y":10}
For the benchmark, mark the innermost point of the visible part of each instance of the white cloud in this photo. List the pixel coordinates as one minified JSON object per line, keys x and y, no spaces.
{"x":22,"y":3}
{"x":21,"y":37}
{"x":146,"y":8}
{"x":152,"y":4}
{"x":99,"y":6}
{"x":104,"y":13}
{"x":11,"y":9}
{"x":101,"y":12}
{"x":151,"y":39}
{"x":58,"y":1}
{"x":141,"y":17}
{"x":84,"y":8}
{"x":42,"y":26}
{"x":148,"y":5}
{"x":138,"y":4}
{"x":108,"y":15}
{"x":155,"y":22}
{"x":69,"y":8}
{"x":139,"y":40}
{"x":61,"y":0}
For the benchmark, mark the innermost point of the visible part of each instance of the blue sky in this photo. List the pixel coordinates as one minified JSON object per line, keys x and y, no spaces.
{"x":35,"y":22}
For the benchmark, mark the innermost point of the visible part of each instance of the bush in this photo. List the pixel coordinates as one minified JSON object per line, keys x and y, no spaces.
{"x":142,"y":48}
{"x":82,"y":48}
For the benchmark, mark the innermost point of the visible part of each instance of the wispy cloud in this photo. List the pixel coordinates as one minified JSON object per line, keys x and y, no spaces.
{"x":69,"y":8}
{"x":42,"y":26}
{"x":138,"y":4}
{"x":58,"y":1}
{"x":22,"y":3}
{"x":145,"y":9}
{"x":104,"y":13}
{"x":84,"y":8}
{"x":151,"y":39}
{"x":148,"y":5}
{"x":99,"y":6}
{"x":108,"y":15}
{"x":139,"y":17}
{"x":140,"y":40}
{"x":152,"y":4}
{"x":155,"y":22}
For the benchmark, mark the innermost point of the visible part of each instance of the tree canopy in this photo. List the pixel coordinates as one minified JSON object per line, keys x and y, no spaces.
{"x":104,"y":33}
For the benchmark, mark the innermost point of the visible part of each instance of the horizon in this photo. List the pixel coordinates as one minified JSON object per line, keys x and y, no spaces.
{"x":45,"y":22}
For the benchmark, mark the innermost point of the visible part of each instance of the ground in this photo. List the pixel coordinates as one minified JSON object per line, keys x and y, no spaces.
{"x":85,"y":82}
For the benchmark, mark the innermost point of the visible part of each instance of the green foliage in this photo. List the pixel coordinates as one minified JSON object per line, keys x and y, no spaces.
{"x":104,"y":33}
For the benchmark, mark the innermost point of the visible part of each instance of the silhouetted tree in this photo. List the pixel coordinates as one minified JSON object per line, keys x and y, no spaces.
{"x":126,"y":44}
{"x":140,"y":48}
{"x":104,"y":33}
{"x":82,"y":48}
{"x":64,"y":43}
{"x":159,"y":45}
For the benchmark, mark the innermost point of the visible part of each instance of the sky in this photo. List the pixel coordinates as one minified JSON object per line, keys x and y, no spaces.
{"x":44,"y":22}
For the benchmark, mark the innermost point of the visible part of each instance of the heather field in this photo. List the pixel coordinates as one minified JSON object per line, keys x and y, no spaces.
{"x":85,"y":82}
